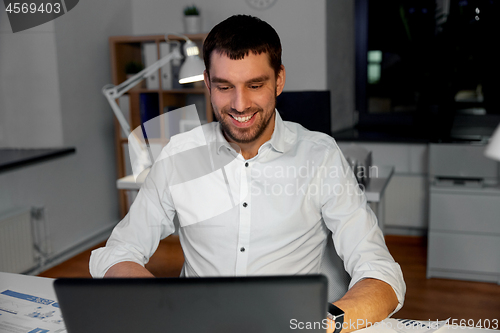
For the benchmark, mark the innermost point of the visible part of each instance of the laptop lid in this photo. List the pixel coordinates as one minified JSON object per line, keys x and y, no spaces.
{"x":223,"y":304}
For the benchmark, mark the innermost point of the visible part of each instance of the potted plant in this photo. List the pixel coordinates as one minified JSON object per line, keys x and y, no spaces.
{"x":132,"y":68}
{"x":192,"y":20}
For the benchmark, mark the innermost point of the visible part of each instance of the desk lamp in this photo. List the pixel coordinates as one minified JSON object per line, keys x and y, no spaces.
{"x":190,"y":71}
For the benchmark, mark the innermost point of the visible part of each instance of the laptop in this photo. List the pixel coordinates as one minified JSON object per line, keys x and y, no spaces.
{"x":219,"y":304}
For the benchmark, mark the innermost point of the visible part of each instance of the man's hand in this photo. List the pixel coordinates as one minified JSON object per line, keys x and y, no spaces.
{"x":128,"y":269}
{"x":368,"y":301}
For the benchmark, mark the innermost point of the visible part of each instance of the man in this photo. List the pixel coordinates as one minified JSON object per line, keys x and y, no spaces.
{"x":272,"y":193}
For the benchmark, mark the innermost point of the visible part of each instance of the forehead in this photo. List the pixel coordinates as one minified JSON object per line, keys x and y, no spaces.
{"x":250,"y":66}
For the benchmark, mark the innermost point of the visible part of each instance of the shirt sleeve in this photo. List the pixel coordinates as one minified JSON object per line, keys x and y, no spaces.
{"x":358,"y":240}
{"x":137,"y":236}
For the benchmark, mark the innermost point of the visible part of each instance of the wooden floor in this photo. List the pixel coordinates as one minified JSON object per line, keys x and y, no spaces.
{"x":426,"y":299}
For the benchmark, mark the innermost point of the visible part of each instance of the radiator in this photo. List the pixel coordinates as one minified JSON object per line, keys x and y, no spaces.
{"x":17,"y":253}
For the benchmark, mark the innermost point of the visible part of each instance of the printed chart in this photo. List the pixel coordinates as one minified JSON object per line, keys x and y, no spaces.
{"x":20,"y":313}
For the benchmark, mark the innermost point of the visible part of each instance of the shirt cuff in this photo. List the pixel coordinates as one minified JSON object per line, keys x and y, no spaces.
{"x":103,"y":258}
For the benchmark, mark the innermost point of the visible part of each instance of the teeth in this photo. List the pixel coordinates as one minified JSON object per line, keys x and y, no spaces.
{"x":242,"y":119}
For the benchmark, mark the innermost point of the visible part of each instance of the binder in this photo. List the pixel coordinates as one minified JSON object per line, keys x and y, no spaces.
{"x":149,"y":110}
{"x":166,"y":71}
{"x":150,"y":54}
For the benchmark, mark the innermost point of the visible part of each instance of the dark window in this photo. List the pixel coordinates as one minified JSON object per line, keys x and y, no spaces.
{"x":423,"y":59}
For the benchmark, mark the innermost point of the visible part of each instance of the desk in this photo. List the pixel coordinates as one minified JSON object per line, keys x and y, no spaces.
{"x":43,"y":287}
{"x":16,"y":158}
{"x":128,"y":183}
{"x":35,"y":285}
{"x":380,"y":177}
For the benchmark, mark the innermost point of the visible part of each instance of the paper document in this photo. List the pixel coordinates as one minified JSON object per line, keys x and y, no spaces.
{"x":391,"y":325}
{"x":21,"y":313}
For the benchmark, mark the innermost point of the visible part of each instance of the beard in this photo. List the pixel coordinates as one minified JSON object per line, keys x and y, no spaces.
{"x":245,"y":135}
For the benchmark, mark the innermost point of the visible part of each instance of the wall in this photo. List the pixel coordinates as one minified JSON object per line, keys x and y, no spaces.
{"x":29,"y":87}
{"x":300,"y":24}
{"x":340,"y":36}
{"x":78,"y":191}
{"x":317,"y":39}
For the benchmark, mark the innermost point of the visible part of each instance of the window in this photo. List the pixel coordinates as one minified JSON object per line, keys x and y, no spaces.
{"x":422,"y":58}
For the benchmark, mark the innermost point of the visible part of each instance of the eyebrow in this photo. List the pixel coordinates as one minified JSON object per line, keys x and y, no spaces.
{"x":262,"y":78}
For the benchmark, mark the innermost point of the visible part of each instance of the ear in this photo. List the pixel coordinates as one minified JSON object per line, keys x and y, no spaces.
{"x":206,"y":78}
{"x":280,"y":81}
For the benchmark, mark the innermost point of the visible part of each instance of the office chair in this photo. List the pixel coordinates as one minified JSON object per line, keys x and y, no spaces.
{"x":333,"y":268}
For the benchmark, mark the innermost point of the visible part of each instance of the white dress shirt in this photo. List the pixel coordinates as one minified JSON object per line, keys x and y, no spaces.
{"x":269,"y":215}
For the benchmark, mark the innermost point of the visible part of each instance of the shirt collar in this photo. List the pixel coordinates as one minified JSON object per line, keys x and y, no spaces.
{"x":277,"y":140}
{"x":220,"y":139}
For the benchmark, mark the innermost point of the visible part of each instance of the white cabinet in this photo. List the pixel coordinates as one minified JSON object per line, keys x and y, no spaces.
{"x":406,"y":196}
{"x":464,"y":221}
{"x":406,"y":204}
{"x":464,"y":234}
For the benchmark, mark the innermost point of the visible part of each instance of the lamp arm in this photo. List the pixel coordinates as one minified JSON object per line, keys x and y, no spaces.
{"x":116,"y":110}
{"x":112,"y":93}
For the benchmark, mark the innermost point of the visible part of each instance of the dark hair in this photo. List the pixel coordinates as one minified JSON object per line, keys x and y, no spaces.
{"x":239,"y":35}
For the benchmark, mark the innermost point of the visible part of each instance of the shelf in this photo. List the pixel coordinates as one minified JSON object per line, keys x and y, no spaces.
{"x":185,"y":91}
{"x":124,"y":49}
{"x":200,"y":91}
{"x":153,"y":38}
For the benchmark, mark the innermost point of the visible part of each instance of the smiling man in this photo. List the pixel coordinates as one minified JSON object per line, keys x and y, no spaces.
{"x":255,"y":207}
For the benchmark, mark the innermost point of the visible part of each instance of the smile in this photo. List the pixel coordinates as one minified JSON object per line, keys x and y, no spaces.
{"x":242,"y":119}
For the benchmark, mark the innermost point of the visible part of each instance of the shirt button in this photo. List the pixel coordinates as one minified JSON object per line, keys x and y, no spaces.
{"x":242,"y":249}
{"x":245,"y":204}
{"x":246,"y":164}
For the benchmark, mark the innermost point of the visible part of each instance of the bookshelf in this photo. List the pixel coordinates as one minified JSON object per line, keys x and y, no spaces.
{"x":123,"y":50}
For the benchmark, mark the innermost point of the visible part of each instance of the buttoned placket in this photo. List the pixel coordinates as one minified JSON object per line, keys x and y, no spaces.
{"x":242,"y":248}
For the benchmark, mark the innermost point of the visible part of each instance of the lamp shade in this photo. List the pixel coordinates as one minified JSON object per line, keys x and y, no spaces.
{"x":493,"y":149}
{"x":193,"y":67}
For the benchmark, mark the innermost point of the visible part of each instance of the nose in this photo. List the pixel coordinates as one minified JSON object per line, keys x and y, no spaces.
{"x":241,"y":100}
